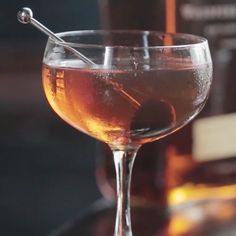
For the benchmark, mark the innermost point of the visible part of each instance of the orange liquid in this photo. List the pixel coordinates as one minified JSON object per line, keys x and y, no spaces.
{"x":171,"y":16}
{"x":125,"y":107}
{"x":170,"y":8}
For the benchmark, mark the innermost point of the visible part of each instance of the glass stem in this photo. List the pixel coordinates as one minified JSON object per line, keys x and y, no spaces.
{"x":123,"y":160}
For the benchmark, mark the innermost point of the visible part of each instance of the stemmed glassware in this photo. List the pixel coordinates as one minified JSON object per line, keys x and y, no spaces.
{"x":140,"y":87}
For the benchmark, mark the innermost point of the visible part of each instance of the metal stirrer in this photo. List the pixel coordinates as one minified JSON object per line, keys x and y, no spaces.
{"x":25,"y":16}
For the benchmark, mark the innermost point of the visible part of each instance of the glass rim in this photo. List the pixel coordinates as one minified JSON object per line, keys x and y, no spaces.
{"x":199,"y":40}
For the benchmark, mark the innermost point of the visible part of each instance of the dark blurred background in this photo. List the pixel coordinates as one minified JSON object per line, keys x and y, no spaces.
{"x":46,"y":167}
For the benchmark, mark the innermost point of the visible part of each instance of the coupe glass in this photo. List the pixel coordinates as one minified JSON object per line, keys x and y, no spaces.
{"x":141,"y":86}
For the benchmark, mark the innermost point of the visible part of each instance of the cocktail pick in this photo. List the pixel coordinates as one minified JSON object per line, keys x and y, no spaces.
{"x":25,"y":16}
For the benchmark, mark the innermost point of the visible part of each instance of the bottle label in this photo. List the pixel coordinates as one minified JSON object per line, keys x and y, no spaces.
{"x":207,"y":12}
{"x":215,"y":21}
{"x":214,"y":138}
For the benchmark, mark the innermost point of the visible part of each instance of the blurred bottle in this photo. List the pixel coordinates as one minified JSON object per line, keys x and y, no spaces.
{"x":201,"y":158}
{"x":132,"y":14}
{"x":199,"y":161}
